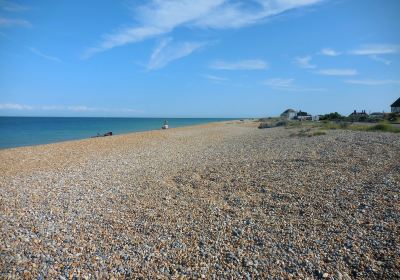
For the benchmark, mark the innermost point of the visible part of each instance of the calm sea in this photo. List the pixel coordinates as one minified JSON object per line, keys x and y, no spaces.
{"x":27,"y":131}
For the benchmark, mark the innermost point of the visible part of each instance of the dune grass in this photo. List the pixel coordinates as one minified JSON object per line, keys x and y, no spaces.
{"x":306,"y":127}
{"x":383,"y":127}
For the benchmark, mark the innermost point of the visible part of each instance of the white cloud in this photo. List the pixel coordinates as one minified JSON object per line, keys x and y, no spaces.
{"x":83,"y":108}
{"x":51,"y":107}
{"x":7,"y":22}
{"x":288,"y":85}
{"x":278,"y":82}
{"x":370,"y":82}
{"x":13,"y":7}
{"x":329,"y":52}
{"x":76,"y":108}
{"x":216,"y":78}
{"x":338,"y":72}
{"x":305,"y":62}
{"x":167,"y":51}
{"x":248,"y":64}
{"x":376,"y":49}
{"x":14,"y":106}
{"x":122,"y":37}
{"x":159,"y":17}
{"x":380,"y":59}
{"x":38,"y":53}
{"x":79,"y":108}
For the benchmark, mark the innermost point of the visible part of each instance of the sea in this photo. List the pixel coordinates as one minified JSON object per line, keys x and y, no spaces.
{"x":28,"y":131}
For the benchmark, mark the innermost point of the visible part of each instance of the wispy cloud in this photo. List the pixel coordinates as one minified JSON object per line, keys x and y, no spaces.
{"x":370,"y":82}
{"x":380,"y":59}
{"x":376,"y":49}
{"x":7,"y":22}
{"x":338,"y":72}
{"x":329,"y":52}
{"x":14,"y":106}
{"x":279,"y":83}
{"x":156,"y":18}
{"x":83,"y":108}
{"x":13,"y":7}
{"x":215,"y":78}
{"x":75,"y":108}
{"x":288,"y":85}
{"x":168,"y":51}
{"x":45,"y":56}
{"x":247,"y":64}
{"x":305,"y":62}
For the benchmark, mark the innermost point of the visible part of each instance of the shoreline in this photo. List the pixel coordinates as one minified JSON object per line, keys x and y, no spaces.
{"x":75,"y":152}
{"x":118,"y":134}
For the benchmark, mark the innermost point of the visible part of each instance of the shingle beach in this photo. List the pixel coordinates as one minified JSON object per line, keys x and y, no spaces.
{"x":215,"y":201}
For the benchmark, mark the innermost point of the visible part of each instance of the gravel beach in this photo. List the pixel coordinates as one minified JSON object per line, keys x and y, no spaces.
{"x":216,"y":201}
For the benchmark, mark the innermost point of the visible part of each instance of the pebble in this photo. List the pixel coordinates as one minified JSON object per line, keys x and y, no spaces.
{"x":216,"y":201}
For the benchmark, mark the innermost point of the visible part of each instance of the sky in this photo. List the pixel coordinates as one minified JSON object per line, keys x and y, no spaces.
{"x":206,"y":58}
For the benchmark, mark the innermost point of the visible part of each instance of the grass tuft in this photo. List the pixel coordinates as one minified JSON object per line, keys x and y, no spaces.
{"x":384,"y":127}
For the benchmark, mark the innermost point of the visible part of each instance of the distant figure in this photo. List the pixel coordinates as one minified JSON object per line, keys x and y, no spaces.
{"x":165,"y":126}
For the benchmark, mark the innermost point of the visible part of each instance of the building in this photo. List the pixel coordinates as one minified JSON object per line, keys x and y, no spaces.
{"x":396,"y":106}
{"x":377,"y":115}
{"x":302,"y":116}
{"x":358,"y":114}
{"x":289,"y":114}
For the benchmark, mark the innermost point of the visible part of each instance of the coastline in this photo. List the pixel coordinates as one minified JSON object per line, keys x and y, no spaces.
{"x":224,"y":200}
{"x":72,"y":150}
{"x":34,"y":131}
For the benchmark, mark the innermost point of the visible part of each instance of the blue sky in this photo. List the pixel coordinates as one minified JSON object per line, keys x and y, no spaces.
{"x":209,"y":58}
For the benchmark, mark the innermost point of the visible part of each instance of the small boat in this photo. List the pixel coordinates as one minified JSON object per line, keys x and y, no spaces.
{"x":103,"y":135}
{"x":165,"y":126}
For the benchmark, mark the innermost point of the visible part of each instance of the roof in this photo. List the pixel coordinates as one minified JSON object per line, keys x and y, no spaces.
{"x":396,"y":103}
{"x":286,"y":112}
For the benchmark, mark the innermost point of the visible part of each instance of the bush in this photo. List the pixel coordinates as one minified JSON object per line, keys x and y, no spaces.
{"x":384,"y":127}
{"x":264,"y":125}
{"x":330,"y":125}
{"x":281,"y":123}
{"x":269,"y":124}
{"x":317,"y":133}
{"x":393,"y":117}
{"x":332,"y":117}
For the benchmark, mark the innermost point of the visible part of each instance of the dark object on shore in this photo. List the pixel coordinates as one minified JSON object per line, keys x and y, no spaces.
{"x":264,"y":125}
{"x":165,"y":126}
{"x":103,"y":135}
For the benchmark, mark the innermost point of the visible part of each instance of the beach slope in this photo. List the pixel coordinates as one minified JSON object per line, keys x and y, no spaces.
{"x":221,"y":200}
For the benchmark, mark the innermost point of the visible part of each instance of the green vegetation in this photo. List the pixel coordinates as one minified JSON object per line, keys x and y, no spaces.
{"x":272,"y":122}
{"x":317,"y":133}
{"x":383,"y":126}
{"x":332,"y":117}
{"x":334,"y":121}
{"x":334,"y":125}
{"x":307,"y":133}
{"x":393,"y":118}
